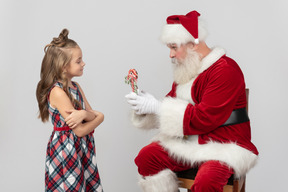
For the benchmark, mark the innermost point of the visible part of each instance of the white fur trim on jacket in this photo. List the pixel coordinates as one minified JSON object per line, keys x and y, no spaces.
{"x":164,"y":181}
{"x":190,"y":151}
{"x":176,"y":33}
{"x":215,"y":54}
{"x":171,"y":116}
{"x":146,"y":122}
{"x":183,"y":91}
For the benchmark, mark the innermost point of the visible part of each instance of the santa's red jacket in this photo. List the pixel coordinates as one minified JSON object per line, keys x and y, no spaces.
{"x":198,"y":109}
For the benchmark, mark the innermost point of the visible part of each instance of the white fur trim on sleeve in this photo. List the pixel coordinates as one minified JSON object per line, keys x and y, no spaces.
{"x":146,"y":122}
{"x":163,"y":181}
{"x":171,"y":116}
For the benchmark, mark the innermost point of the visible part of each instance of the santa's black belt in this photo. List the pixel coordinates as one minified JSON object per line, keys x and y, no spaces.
{"x":237,"y":116}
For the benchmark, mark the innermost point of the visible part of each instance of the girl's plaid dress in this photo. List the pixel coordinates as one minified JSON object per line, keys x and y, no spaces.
{"x":70,"y":160}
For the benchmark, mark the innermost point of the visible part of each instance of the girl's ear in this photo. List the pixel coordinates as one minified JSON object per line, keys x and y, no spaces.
{"x":64,"y":69}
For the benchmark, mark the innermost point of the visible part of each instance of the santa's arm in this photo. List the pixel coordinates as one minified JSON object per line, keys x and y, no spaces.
{"x":145,"y":122}
{"x":179,"y":118}
{"x":148,"y":121}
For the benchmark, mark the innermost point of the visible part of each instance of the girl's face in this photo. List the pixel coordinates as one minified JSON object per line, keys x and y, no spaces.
{"x":76,"y":66}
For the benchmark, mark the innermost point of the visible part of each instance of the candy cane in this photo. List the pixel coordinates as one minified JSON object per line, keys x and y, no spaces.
{"x":131,"y":79}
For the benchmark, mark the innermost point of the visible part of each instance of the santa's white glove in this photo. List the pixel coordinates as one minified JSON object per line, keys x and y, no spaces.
{"x":143,"y":103}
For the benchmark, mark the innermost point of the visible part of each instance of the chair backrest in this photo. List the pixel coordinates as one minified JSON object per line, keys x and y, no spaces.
{"x":247,"y":98}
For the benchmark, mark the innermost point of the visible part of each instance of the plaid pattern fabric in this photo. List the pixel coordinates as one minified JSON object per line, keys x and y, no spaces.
{"x":70,"y":161}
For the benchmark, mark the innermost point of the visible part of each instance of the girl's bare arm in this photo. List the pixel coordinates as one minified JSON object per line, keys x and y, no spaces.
{"x":60,"y":100}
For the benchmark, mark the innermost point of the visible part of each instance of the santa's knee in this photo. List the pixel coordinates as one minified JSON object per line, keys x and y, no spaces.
{"x":147,"y":160}
{"x":142,"y":158}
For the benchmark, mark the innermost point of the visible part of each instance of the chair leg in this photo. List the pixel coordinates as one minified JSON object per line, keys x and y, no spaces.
{"x":243,"y":186}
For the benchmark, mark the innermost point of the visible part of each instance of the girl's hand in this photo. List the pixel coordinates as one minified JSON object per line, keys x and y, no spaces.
{"x":75,"y":118}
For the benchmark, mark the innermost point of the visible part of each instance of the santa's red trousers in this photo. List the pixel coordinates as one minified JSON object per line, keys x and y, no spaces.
{"x":211,"y":176}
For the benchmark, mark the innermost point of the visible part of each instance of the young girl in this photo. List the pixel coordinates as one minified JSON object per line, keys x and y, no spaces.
{"x":71,"y":159}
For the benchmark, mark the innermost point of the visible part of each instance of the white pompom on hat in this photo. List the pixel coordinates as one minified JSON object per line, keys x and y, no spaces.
{"x":181,"y":29}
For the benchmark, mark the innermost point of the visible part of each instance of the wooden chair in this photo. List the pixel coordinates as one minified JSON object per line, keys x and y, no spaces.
{"x":186,"y":178}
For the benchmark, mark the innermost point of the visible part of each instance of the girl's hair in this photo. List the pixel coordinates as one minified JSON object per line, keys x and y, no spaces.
{"x":57,"y":56}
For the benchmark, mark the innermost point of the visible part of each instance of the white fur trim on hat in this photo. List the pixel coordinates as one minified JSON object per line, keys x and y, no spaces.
{"x":171,"y":116}
{"x":163,"y":181}
{"x":176,"y":33}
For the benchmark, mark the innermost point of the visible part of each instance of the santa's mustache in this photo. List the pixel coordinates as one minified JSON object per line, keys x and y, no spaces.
{"x":176,"y":61}
{"x":186,"y":69}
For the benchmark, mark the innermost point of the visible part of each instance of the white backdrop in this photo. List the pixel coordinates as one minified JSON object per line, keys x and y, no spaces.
{"x":116,"y":36}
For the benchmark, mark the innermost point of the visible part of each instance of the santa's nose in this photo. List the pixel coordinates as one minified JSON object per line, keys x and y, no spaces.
{"x":172,"y":54}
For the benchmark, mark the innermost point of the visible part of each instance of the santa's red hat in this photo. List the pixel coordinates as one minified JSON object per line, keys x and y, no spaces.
{"x":181,"y":29}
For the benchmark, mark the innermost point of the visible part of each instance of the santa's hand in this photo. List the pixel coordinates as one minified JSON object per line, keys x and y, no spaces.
{"x":143,"y":103}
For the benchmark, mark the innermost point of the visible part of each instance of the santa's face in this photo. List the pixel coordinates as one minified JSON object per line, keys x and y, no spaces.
{"x":177,"y":52}
{"x":186,"y":63}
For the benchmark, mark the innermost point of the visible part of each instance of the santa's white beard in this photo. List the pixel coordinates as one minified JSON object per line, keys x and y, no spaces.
{"x":186,"y":69}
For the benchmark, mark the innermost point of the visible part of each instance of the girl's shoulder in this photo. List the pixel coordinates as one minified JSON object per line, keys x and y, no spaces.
{"x":56,"y":88}
{"x":57,"y":84}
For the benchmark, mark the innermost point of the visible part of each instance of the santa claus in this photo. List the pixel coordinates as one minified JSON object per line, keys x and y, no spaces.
{"x":196,"y":120}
